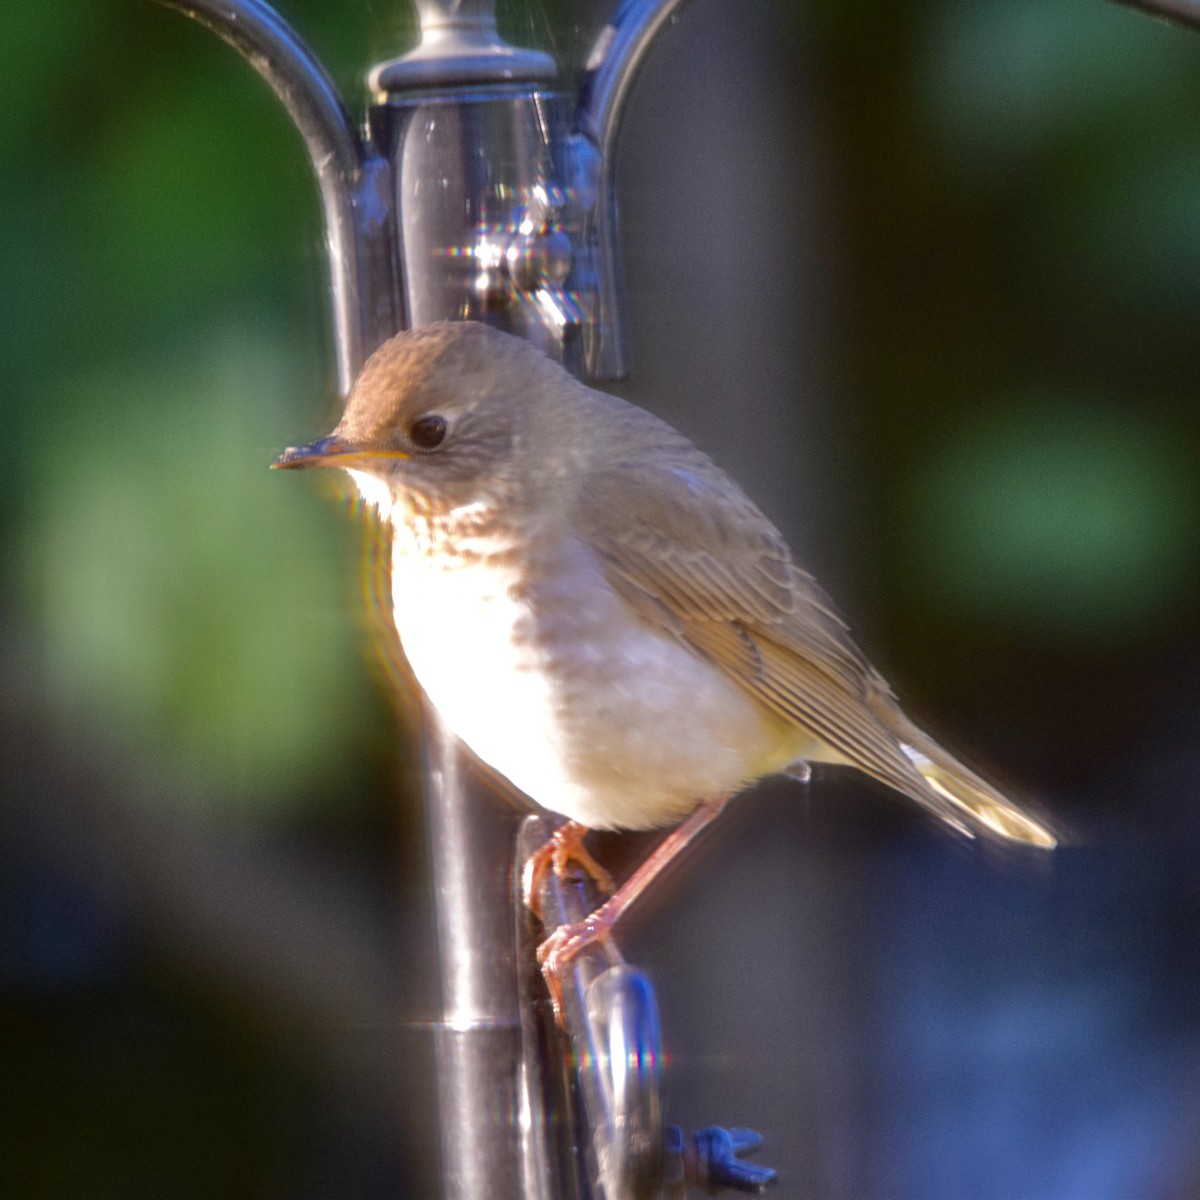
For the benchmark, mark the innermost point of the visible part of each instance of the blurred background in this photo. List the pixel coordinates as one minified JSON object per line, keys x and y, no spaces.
{"x":926,"y":278}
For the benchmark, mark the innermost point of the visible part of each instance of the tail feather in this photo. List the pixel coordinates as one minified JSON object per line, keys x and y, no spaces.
{"x":961,"y":797}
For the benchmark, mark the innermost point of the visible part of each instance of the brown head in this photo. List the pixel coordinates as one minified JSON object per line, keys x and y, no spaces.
{"x":452,"y":414}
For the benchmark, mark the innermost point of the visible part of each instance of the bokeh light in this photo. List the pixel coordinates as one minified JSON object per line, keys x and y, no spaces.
{"x":1072,"y":519}
{"x":183,"y":596}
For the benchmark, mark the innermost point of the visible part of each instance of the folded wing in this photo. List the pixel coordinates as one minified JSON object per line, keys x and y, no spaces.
{"x":693,"y":555}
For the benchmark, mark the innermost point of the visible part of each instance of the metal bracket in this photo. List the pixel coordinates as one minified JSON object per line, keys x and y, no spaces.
{"x":612,"y":1030}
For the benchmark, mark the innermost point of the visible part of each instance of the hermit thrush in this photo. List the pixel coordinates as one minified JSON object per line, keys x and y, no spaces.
{"x":601,"y":614}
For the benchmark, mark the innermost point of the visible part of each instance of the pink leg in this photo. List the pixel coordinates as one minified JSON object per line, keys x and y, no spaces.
{"x":556,"y":952}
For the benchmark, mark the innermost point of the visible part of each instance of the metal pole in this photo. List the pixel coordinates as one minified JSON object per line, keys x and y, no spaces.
{"x":469,"y":131}
{"x":479,"y":1037}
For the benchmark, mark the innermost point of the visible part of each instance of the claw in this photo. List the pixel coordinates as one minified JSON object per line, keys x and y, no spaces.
{"x":555,"y":954}
{"x":563,"y":847}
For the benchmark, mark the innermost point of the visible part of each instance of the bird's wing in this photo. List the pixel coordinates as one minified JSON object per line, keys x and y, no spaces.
{"x":694,"y":556}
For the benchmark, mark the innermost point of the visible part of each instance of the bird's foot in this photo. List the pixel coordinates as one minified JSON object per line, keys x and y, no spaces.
{"x":556,"y":953}
{"x":563,"y":847}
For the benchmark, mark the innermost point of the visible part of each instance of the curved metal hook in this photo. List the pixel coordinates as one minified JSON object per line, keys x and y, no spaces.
{"x":612,"y":66}
{"x":615,"y":59}
{"x":626,"y":1048}
{"x":344,"y":167}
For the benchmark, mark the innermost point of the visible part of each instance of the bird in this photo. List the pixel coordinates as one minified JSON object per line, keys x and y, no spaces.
{"x":602,"y":615}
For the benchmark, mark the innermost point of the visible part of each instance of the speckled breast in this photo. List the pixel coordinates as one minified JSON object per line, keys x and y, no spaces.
{"x":546,"y":674}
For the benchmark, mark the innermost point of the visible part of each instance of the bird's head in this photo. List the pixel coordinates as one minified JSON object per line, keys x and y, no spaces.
{"x":450,"y":415}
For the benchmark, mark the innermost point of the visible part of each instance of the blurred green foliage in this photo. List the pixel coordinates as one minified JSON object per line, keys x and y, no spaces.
{"x":1079,"y":519}
{"x":1017,"y":200}
{"x":1083,"y":102}
{"x":1068,"y":510}
{"x":108,"y":1119}
{"x":182,"y":593}
{"x":1006,"y":82}
{"x":164,"y":334}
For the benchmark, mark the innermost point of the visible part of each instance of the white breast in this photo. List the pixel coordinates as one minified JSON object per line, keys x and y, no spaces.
{"x":559,"y":687}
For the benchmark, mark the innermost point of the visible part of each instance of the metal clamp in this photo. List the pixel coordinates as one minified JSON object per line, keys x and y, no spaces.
{"x":611,"y":1021}
{"x":711,"y":1159}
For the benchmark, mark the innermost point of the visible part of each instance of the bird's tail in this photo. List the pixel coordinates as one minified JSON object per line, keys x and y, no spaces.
{"x":960,"y":796}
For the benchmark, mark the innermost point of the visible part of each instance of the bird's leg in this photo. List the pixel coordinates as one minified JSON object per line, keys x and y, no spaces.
{"x":556,"y":952}
{"x":562,"y":848}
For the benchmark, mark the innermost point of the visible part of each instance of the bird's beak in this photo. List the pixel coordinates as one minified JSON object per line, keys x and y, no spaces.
{"x":331,"y":452}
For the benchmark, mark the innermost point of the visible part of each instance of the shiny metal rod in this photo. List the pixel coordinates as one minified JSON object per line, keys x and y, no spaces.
{"x":479,"y":1037}
{"x":466,"y":129}
{"x":611,"y":1019}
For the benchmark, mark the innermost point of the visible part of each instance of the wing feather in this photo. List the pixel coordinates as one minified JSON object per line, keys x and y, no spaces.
{"x":693,"y":556}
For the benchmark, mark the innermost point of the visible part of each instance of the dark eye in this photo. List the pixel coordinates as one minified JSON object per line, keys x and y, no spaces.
{"x":428,"y":433}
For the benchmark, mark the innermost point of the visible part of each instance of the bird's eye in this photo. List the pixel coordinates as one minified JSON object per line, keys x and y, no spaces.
{"x":428,"y":433}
